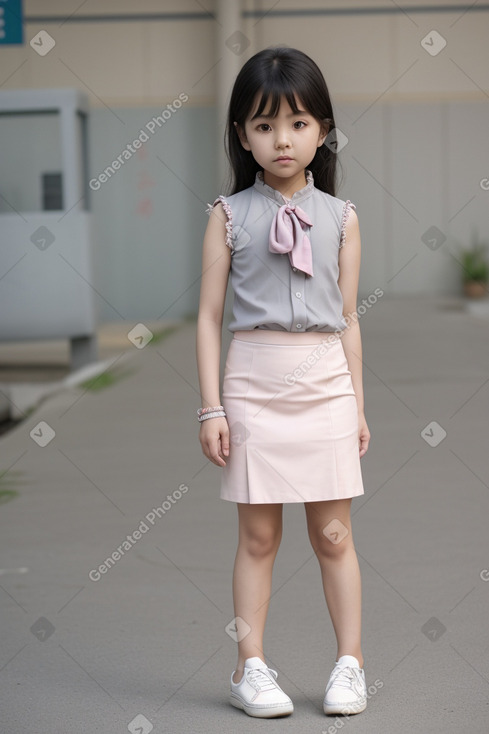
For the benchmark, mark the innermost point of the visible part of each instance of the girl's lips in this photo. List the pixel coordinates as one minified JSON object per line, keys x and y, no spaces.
{"x":282,"y":160}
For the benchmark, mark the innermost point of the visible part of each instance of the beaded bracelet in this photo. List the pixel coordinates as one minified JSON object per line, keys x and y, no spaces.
{"x":209,"y":409}
{"x":213,"y":414}
{"x":210,"y":412}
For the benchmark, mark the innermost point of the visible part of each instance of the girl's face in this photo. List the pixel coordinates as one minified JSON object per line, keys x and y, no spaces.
{"x":283,"y":145}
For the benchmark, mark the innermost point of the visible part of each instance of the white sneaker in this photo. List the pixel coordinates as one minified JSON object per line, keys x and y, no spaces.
{"x":258,"y":693}
{"x":346,"y":692}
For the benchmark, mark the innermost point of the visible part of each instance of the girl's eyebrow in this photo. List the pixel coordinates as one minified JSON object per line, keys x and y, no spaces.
{"x":291,"y":114}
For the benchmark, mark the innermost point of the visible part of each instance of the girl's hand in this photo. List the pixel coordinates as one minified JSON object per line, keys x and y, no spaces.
{"x":363,"y":434}
{"x":214,"y":439}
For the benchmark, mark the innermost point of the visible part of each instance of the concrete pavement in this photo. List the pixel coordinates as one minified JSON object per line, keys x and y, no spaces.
{"x":119,"y":472}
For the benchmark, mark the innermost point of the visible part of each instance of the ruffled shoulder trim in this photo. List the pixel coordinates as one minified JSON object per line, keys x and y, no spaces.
{"x":229,"y":217}
{"x":346,"y":210}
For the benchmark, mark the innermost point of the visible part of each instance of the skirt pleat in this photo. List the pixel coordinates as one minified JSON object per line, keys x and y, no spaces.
{"x":293,"y":419}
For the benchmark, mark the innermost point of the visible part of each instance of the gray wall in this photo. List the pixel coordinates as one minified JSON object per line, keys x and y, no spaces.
{"x":149,"y":218}
{"x":410,"y":167}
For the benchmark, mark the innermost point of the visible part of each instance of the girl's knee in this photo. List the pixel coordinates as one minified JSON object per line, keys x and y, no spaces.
{"x":329,"y":528}
{"x":331,"y":545}
{"x":261,"y":543}
{"x":260,"y":529}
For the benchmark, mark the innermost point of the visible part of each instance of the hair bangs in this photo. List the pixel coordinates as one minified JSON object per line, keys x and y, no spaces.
{"x":273,"y":90}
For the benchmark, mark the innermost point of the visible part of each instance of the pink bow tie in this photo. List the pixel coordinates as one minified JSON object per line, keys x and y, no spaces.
{"x":287,"y":234}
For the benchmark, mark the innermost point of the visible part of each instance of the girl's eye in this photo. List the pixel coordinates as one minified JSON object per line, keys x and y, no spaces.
{"x":299,"y":122}
{"x":263,"y":125}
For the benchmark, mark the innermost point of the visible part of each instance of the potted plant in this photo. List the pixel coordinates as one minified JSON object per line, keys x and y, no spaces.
{"x":475,"y":269}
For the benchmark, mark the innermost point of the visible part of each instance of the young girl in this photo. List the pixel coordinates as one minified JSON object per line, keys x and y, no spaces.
{"x":290,"y":426}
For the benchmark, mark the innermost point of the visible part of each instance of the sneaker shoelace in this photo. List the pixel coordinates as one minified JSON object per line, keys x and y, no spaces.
{"x":260,"y":679}
{"x":344,"y":677}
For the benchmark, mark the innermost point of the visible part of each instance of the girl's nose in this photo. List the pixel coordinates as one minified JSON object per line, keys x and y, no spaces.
{"x":282,"y":139}
{"x":282,"y":142}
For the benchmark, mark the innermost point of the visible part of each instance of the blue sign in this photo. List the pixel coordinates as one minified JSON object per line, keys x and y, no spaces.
{"x":11,"y":22}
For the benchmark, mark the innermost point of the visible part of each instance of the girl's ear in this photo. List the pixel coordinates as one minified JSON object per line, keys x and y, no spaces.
{"x":323,"y":133}
{"x":242,"y":137}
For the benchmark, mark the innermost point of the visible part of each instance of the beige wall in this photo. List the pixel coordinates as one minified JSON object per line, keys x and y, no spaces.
{"x":363,"y":56}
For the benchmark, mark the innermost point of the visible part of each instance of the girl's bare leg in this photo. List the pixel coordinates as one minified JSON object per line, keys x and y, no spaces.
{"x":340,"y":571}
{"x":260,"y":533}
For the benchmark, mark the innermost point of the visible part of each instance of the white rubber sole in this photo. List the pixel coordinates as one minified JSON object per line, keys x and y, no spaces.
{"x":262,"y":712}
{"x":345,"y":708}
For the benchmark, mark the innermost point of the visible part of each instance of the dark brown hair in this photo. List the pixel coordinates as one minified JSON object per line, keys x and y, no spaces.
{"x":277,"y":72}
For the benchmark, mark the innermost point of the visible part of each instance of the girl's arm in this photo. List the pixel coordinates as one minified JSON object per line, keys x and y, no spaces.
{"x":349,"y":263}
{"x":216,"y":262}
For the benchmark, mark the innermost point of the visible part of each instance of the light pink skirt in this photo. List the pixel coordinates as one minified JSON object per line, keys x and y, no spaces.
{"x":293,"y":420}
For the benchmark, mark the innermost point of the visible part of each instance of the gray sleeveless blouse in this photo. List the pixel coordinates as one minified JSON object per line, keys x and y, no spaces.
{"x":269,"y":291}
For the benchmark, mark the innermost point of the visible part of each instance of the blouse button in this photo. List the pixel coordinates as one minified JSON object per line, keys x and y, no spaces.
{"x":298,"y":294}
{"x":299,"y":326}
{"x":295,"y":270}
